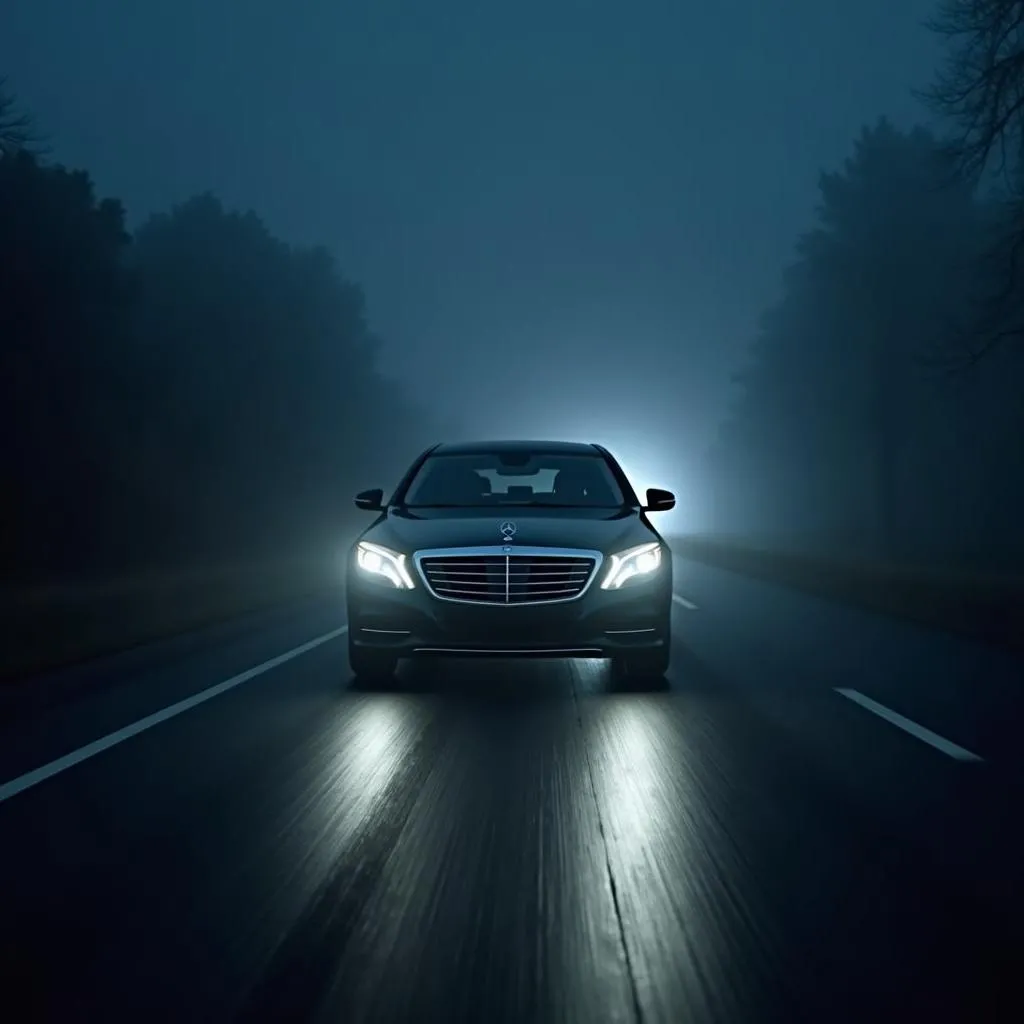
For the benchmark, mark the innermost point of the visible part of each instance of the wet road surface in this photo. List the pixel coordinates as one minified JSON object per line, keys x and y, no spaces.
{"x":496,"y":841}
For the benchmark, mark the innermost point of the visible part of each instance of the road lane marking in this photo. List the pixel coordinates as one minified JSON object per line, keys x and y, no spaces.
{"x":929,"y":737}
{"x":686,"y":604}
{"x":37,"y":775}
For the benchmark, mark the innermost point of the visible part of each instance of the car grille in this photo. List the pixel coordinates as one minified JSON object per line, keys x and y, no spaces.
{"x":507,"y":579}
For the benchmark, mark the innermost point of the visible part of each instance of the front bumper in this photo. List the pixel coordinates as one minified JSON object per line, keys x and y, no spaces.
{"x":598,"y":624}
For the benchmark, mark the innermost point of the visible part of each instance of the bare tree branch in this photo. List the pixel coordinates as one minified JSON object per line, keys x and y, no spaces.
{"x":17,"y":130}
{"x":978,"y":88}
{"x":980,"y":92}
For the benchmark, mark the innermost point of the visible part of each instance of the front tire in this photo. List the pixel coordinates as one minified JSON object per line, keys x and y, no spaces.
{"x":369,"y":665}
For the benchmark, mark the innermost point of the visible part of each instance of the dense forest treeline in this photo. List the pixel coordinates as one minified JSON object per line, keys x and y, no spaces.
{"x":197,"y":391}
{"x":882,"y":406}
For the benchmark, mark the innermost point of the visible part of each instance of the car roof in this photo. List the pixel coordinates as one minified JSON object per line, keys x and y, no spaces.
{"x":538,"y":447}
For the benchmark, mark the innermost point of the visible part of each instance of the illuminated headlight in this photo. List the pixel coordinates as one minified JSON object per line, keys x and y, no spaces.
{"x":375,"y":560}
{"x":643,"y":560}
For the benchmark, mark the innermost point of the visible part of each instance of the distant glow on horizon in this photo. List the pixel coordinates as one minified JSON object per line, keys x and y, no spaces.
{"x":647,"y":463}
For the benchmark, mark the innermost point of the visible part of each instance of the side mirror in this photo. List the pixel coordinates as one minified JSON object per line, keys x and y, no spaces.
{"x":371,"y":501}
{"x":659,"y":500}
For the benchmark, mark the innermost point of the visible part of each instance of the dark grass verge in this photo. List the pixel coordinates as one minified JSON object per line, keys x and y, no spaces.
{"x":45,"y":629}
{"x":984,"y":606}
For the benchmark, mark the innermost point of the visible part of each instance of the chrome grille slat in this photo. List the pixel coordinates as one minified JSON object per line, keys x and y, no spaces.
{"x":541,"y":574}
{"x":508,"y":578}
{"x":455,"y":576}
{"x":469,"y":593}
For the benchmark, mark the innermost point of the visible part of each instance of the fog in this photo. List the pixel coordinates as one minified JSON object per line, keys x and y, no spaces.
{"x":729,"y":243}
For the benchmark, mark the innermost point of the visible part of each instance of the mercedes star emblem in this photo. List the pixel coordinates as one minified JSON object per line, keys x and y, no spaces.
{"x":508,"y":530}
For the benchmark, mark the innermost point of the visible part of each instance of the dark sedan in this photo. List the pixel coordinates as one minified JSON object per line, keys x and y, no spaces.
{"x":511,"y":549}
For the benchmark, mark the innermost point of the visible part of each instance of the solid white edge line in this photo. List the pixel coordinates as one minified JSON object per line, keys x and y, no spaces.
{"x":919,"y":731}
{"x":686,"y":604}
{"x":37,"y":775}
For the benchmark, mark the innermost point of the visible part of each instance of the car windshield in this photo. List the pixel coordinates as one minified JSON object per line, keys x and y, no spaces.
{"x":501,"y":479}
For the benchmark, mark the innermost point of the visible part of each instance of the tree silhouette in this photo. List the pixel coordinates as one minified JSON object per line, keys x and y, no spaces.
{"x":63,"y":296}
{"x":830,"y":403}
{"x":980,"y":87}
{"x":17,"y":131}
{"x":198,"y":393}
{"x":980,"y":92}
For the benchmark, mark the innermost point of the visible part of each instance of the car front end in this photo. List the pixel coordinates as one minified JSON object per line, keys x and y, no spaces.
{"x":510,"y":600}
{"x":522,"y":549}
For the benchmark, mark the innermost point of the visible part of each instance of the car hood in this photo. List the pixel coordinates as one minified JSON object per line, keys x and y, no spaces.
{"x":602,"y":530}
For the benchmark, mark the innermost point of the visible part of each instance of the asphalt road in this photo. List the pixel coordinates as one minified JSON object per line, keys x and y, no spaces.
{"x":763,"y":839}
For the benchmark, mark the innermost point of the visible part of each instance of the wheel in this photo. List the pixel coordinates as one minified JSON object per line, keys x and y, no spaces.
{"x":369,"y":664}
{"x":643,"y":666}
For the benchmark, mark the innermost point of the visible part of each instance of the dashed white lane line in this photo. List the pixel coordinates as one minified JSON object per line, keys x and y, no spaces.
{"x":682,"y":601}
{"x":37,"y":775}
{"x":933,"y":739}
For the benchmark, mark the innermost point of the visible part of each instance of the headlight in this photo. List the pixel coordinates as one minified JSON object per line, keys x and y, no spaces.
{"x":642,"y":560}
{"x":380,"y":561}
